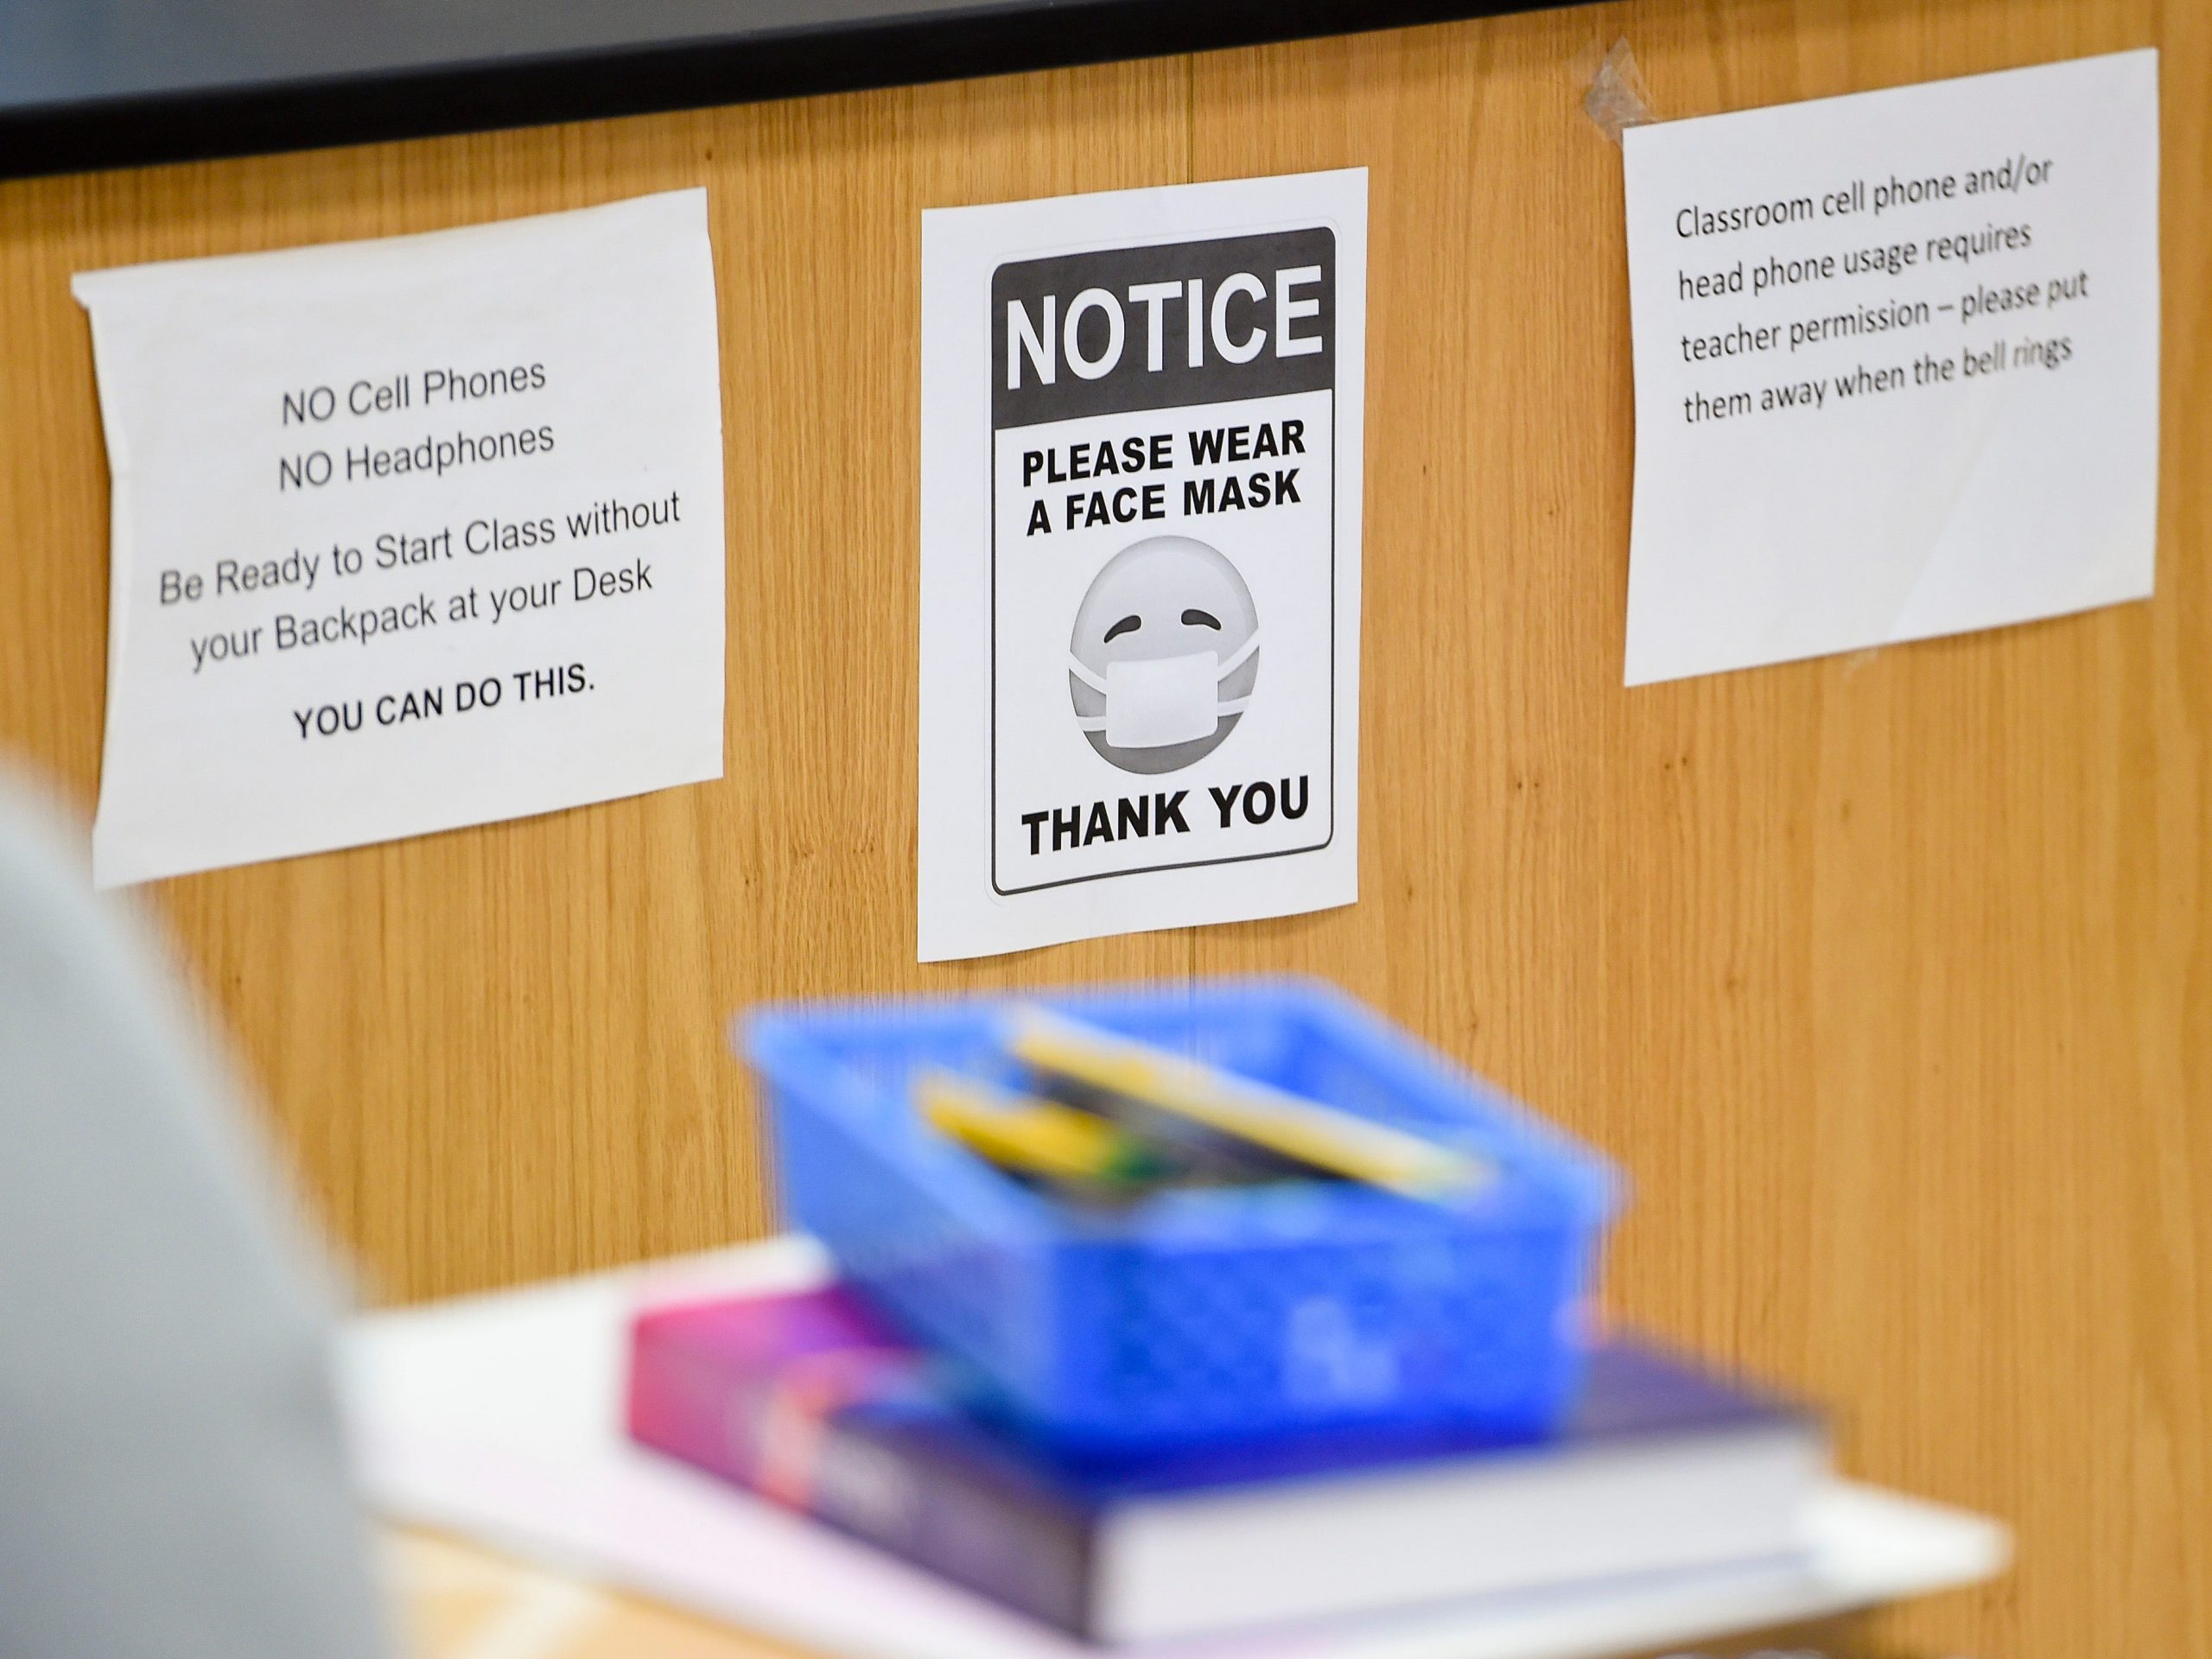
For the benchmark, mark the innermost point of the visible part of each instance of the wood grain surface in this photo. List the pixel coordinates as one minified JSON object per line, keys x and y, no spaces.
{"x":1888,"y":977}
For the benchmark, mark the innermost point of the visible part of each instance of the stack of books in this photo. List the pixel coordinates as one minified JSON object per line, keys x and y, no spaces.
{"x":1172,"y":1314}
{"x":809,"y":1398}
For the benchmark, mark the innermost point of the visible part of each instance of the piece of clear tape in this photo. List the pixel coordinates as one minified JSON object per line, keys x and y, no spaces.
{"x":1618,"y":99}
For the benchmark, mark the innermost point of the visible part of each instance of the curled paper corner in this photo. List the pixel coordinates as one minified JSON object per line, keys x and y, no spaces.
{"x":1618,"y":98}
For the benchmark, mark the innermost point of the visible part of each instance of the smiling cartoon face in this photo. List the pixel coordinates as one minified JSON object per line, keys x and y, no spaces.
{"x":1164,"y":654}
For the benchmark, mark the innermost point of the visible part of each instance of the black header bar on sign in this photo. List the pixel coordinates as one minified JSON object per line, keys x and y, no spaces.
{"x":1163,"y":327}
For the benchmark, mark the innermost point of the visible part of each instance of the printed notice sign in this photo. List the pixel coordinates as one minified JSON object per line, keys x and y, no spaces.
{"x":1141,"y":497}
{"x":1897,"y":364}
{"x":408,"y":534}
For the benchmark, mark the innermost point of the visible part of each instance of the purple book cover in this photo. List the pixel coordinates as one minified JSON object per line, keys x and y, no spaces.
{"x":813,"y":1400}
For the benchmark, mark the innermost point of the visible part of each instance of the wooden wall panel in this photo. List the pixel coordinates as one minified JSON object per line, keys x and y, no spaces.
{"x":500,"y":1053}
{"x":1888,"y":977}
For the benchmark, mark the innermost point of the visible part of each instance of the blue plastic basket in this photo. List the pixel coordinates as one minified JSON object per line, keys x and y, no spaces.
{"x":1201,"y":1312}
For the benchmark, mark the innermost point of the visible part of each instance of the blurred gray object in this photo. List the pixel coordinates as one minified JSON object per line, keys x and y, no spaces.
{"x":173,"y":1484}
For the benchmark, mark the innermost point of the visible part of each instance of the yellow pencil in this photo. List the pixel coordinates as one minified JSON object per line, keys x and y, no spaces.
{"x":1037,"y":1137}
{"x":1306,"y":1131}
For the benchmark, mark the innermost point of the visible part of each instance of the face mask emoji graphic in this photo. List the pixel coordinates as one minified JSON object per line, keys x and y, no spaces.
{"x":1164,"y":655}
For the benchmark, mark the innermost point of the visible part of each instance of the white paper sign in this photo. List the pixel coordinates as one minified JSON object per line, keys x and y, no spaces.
{"x":408,"y":534}
{"x":1897,"y":364}
{"x":1141,"y":500}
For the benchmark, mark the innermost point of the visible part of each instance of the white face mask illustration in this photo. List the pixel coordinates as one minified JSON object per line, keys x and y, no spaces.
{"x":1152,"y":702}
{"x":1163,"y":659}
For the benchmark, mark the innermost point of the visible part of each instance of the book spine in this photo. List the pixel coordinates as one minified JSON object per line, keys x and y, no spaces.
{"x":849,"y":1474}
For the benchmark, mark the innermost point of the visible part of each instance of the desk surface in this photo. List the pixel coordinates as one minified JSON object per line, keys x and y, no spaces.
{"x":460,"y":1602}
{"x":499,"y":1417}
